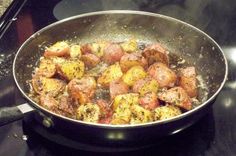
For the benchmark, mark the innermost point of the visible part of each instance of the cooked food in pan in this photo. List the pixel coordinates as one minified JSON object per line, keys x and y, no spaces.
{"x":113,"y":83}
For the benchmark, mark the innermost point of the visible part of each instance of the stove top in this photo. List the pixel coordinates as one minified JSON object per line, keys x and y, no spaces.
{"x":214,"y":134}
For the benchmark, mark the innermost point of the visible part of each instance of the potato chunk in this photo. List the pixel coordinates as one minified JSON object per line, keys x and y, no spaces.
{"x":140,"y":115}
{"x":58,"y":49}
{"x":134,"y":59}
{"x":149,"y":101}
{"x":122,"y":114}
{"x":47,"y":68}
{"x":112,"y":73}
{"x":48,"y":102}
{"x":129,"y":99}
{"x":164,"y":75}
{"x":90,"y":60}
{"x":52,"y":86}
{"x":112,"y":53}
{"x":156,"y":53}
{"x":166,"y":112}
{"x":82,"y":89}
{"x":146,"y":85}
{"x":88,"y":112}
{"x":188,"y":80}
{"x":130,"y":46}
{"x":176,"y":96}
{"x":75,"y":51}
{"x":94,"y":48}
{"x":71,"y":69}
{"x":133,"y":74}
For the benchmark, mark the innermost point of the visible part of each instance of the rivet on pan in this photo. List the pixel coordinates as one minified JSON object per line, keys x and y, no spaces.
{"x":47,"y":122}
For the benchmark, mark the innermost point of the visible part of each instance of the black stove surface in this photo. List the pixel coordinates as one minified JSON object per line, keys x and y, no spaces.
{"x":214,"y":134}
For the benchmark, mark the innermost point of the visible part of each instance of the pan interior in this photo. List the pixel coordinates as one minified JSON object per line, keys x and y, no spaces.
{"x":179,"y":38}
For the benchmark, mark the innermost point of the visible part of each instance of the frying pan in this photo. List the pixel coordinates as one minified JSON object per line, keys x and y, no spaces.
{"x":180,"y":38}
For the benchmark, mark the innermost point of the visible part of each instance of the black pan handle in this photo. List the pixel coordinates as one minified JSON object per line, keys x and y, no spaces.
{"x":10,"y":114}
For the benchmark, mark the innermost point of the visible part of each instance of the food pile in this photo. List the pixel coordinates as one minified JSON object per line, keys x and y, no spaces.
{"x":112,"y":82}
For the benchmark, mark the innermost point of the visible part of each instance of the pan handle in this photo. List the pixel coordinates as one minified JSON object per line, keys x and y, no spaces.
{"x":10,"y":114}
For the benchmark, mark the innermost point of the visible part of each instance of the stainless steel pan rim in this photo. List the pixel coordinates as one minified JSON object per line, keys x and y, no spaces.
{"x":34,"y":104}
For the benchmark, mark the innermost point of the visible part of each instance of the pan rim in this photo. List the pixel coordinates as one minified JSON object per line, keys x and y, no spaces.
{"x":108,"y":12}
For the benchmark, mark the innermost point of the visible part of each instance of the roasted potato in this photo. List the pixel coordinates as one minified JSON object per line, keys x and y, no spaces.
{"x":90,"y":60}
{"x":122,"y":114}
{"x":71,"y":69}
{"x":75,"y":51}
{"x":51,"y":86}
{"x":48,"y":102}
{"x":164,"y":75}
{"x":112,"y":53}
{"x":58,"y":60}
{"x":105,"y":108}
{"x":134,"y":74}
{"x":149,"y":101}
{"x":176,"y":96}
{"x":130,"y":46}
{"x":188,"y":80}
{"x":82,"y":89}
{"x":58,"y":49}
{"x":88,"y":112}
{"x":94,"y":48}
{"x":65,"y":104}
{"x":140,"y":115}
{"x":118,"y":87}
{"x":47,"y":68}
{"x":112,"y":73}
{"x":156,"y":53}
{"x":133,"y":59}
{"x":98,"y":48}
{"x":166,"y":112}
{"x":129,"y":99}
{"x":145,"y":85}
